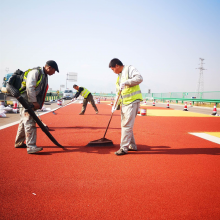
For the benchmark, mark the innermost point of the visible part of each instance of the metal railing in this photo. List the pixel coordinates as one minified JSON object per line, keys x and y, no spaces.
{"x":201,"y":97}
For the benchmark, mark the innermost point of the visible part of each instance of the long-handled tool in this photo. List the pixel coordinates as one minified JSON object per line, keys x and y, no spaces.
{"x":105,"y":141}
{"x":41,"y":120}
{"x":63,"y":106}
{"x":15,"y":93}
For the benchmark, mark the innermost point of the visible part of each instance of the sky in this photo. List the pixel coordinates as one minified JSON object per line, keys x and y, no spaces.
{"x":162,"y":39}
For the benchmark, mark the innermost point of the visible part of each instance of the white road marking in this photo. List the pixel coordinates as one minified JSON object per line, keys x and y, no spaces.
{"x":40,"y":113}
{"x":207,"y":137}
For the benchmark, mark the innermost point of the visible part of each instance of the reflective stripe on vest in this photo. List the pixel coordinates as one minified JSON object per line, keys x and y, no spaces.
{"x":128,"y":94}
{"x":23,"y":84}
{"x":85,"y":93}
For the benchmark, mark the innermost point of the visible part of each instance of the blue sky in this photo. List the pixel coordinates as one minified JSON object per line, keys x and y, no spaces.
{"x":162,"y":39}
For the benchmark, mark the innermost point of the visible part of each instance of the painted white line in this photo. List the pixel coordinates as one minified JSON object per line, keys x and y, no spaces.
{"x":9,"y":125}
{"x":207,"y":137}
{"x":40,"y":113}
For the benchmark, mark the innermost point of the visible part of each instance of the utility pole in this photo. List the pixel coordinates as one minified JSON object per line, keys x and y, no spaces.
{"x":200,"y":86}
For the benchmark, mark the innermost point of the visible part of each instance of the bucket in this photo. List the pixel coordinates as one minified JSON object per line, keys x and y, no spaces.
{"x":143,"y":112}
{"x":15,"y":107}
{"x":15,"y":104}
{"x":59,"y":102}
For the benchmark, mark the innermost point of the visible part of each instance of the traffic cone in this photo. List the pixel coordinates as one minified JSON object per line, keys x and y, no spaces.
{"x":190,"y":104}
{"x":139,"y":110}
{"x":145,"y":102}
{"x":214,"y":110}
{"x":153,"y":103}
{"x":168,"y":105}
{"x":185,"y":107}
{"x":111,"y":102}
{"x":143,"y":112}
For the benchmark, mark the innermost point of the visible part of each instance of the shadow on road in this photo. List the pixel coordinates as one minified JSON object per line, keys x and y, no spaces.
{"x":142,"y":149}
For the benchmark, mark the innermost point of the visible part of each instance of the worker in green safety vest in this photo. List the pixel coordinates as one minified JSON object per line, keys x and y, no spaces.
{"x":88,"y":97}
{"x":128,"y":81}
{"x":33,"y":89}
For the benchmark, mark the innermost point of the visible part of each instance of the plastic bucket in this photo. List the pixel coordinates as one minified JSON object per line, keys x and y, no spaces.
{"x":59,"y":102}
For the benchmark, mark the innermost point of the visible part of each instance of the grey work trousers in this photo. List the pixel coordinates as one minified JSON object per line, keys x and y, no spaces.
{"x":128,"y":115}
{"x":91,"y":100}
{"x":26,"y":130}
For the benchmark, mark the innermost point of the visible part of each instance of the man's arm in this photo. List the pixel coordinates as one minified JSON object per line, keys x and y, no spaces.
{"x":78,"y":92}
{"x":30,"y":87}
{"x":135,"y":77}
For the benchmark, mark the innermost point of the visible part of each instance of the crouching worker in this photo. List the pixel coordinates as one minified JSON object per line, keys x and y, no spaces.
{"x":128,"y":82}
{"x":88,"y":97}
{"x":33,"y":90}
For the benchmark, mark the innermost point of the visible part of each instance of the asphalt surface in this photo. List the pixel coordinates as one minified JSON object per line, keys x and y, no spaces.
{"x":13,"y":117}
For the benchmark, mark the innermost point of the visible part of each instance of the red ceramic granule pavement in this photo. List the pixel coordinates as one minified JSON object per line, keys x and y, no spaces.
{"x":173,"y":175}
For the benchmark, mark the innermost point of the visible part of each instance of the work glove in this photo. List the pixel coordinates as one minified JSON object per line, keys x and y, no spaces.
{"x":113,"y":109}
{"x":122,"y":86}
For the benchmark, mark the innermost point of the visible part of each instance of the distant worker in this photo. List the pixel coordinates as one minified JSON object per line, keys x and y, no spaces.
{"x":58,"y":94}
{"x":88,"y":97}
{"x":34,"y":90}
{"x":128,"y":82}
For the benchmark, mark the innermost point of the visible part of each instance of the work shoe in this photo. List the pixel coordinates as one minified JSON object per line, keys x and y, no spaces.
{"x":97,"y":112}
{"x":130,"y":148}
{"x":33,"y":150}
{"x":120,"y":152}
{"x":21,"y":146}
{"x":81,"y":113}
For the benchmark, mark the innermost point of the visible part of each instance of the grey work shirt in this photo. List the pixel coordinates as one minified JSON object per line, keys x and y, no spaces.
{"x":31,"y":91}
{"x":134,"y":78}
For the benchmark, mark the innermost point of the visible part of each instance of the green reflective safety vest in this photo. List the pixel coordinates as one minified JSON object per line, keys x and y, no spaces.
{"x":128,"y":94}
{"x":85,"y":93}
{"x":23,"y":84}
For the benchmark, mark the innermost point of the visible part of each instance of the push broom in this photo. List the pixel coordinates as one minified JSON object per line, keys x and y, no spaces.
{"x":105,"y":141}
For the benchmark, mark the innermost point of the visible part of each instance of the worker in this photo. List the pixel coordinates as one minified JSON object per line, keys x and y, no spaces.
{"x":88,"y":97}
{"x":58,"y":94}
{"x":33,"y":90}
{"x":128,"y":81}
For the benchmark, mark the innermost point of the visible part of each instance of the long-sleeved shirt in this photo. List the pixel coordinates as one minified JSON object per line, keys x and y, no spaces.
{"x":134,"y":78}
{"x":32,"y":92}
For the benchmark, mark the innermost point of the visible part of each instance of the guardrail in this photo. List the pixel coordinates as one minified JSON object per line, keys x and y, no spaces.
{"x":202,"y":97}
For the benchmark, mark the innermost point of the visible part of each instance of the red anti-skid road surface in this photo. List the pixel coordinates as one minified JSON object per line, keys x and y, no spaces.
{"x":173,"y":175}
